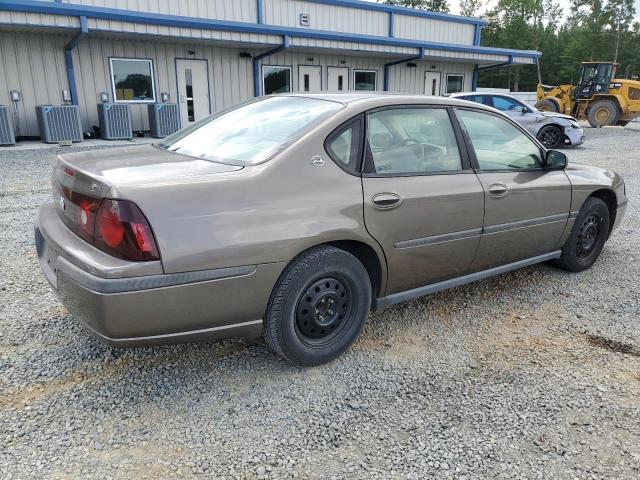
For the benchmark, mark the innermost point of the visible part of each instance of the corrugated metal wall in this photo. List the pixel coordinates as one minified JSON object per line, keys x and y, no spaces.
{"x":326,"y":17}
{"x":236,"y":10}
{"x":411,"y":79}
{"x":33,"y":65}
{"x":230,"y":77}
{"x":429,"y":29}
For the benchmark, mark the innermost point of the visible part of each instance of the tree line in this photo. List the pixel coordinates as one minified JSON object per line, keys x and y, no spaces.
{"x":592,"y":30}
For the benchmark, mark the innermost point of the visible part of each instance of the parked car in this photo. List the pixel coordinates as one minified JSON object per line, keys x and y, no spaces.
{"x":293,"y":216}
{"x":552,"y":129}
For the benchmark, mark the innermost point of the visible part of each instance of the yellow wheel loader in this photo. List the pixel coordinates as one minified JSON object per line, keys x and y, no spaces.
{"x":598,"y":97}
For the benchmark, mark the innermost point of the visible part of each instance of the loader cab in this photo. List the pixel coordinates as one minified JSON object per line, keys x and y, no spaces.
{"x":594,"y":79}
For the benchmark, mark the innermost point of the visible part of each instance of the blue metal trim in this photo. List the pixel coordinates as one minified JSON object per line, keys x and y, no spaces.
{"x":420,"y":56}
{"x":256,"y":66}
{"x":224,"y":25}
{"x":260,"y":11}
{"x":68,"y":59}
{"x":391,"y":22}
{"x":474,"y":79}
{"x":476,"y":34}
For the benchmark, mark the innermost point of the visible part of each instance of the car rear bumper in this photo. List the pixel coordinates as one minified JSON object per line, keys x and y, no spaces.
{"x":150,"y":309}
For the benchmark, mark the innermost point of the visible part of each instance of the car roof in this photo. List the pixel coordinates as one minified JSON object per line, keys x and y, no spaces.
{"x":380,"y":99}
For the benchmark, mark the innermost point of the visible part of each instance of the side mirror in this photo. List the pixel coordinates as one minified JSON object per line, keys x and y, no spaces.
{"x":524,"y":110}
{"x":555,"y":160}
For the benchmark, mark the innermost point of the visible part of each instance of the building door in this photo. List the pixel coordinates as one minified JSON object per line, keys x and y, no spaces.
{"x":432,"y":83}
{"x":337,"y":79}
{"x":309,"y":78}
{"x":193,"y":90}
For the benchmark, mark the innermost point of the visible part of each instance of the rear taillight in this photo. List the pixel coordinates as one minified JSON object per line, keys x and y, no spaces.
{"x":122,"y":231}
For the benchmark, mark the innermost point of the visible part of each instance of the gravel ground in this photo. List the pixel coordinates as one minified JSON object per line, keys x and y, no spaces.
{"x":533,"y":374}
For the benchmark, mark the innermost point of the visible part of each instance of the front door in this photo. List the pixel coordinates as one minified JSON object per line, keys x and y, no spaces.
{"x":193,"y":90}
{"x":526,"y":206}
{"x":432,"y":83}
{"x":309,"y":78}
{"x":518,"y":111}
{"x":422,"y":204}
{"x":337,"y":79}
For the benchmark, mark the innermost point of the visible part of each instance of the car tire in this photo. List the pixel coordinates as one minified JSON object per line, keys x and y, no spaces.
{"x":547,"y":106}
{"x":587,"y":238}
{"x":603,"y":113}
{"x":551,"y":136}
{"x":318,"y":307}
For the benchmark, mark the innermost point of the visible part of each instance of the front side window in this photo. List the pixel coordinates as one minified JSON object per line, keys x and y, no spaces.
{"x":132,"y":80}
{"x":412,"y":140}
{"x":364,"y":79}
{"x":506,"y":104}
{"x":455,"y":83}
{"x":253,"y":132}
{"x":498,"y":144}
{"x":276,"y":79}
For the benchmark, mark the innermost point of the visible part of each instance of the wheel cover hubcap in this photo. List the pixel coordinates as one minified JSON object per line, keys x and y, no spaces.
{"x":588,"y":236}
{"x":323,"y":309}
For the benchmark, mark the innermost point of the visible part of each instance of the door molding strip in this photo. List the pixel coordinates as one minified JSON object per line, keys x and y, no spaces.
{"x":392,"y":299}
{"x":446,"y":237}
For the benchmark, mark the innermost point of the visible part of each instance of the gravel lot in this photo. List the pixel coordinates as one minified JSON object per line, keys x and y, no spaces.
{"x":534,"y":374}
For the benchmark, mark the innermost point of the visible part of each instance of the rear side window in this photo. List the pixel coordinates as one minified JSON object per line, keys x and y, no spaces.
{"x":344,"y":144}
{"x":498,"y":144}
{"x":412,"y":140}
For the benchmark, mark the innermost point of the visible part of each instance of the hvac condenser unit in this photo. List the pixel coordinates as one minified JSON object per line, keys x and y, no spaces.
{"x":164,"y":119}
{"x":59,"y":123}
{"x":115,"y":121}
{"x":7,"y":132}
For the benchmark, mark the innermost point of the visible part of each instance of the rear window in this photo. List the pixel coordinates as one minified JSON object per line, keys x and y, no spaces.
{"x":252,"y":132}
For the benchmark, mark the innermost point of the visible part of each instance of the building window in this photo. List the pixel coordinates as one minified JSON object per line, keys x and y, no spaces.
{"x":364,"y":79}
{"x":455,"y":83}
{"x":276,"y":79}
{"x":132,"y":80}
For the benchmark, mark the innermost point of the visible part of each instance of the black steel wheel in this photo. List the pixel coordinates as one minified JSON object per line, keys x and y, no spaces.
{"x":318,"y":307}
{"x":551,"y":136}
{"x":587,"y":237}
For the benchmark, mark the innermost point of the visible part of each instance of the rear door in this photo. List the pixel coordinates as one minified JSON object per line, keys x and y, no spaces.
{"x":422,"y":201}
{"x":526,"y":206}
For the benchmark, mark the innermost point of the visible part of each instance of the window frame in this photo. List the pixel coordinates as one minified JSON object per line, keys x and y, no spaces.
{"x":153,"y":79}
{"x":365,"y":70}
{"x":368,"y":168}
{"x":471,"y":150}
{"x":288,"y":67}
{"x":336,"y":132}
{"x":454,"y":75}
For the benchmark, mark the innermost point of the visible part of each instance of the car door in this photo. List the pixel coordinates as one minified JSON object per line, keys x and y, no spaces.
{"x":526,"y":206}
{"x":518,"y":111}
{"x":422,"y":201}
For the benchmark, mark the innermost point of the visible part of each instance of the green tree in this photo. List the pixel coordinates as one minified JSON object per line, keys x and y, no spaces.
{"x":433,"y":5}
{"x":470,"y":8}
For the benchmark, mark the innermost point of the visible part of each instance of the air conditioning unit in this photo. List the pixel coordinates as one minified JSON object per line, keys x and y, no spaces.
{"x":115,"y":121}
{"x":164,"y":119}
{"x":7,"y":132}
{"x":59,"y":123}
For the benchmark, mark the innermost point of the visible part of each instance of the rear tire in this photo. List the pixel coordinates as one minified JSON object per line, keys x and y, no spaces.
{"x":547,"y":106}
{"x":587,"y":238}
{"x":318,"y":307}
{"x":551,"y":136}
{"x":603,"y":113}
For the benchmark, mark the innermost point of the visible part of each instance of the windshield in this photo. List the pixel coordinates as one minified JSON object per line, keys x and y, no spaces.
{"x":252,"y":132}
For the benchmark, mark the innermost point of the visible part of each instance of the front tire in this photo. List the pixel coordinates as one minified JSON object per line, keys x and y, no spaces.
{"x":603,"y":113}
{"x":318,"y":307}
{"x":587,"y":238}
{"x":547,"y":106}
{"x":551,"y":136}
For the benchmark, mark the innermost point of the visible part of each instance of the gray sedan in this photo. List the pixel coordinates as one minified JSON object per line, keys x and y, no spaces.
{"x":293,"y":216}
{"x":552,"y":129}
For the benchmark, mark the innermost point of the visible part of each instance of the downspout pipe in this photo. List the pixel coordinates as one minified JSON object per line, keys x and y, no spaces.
{"x":68,"y":58}
{"x":420,"y":56}
{"x":256,"y":63}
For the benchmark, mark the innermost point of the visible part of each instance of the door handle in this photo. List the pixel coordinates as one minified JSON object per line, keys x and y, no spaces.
{"x":386,"y":200}
{"x":498,"y":190}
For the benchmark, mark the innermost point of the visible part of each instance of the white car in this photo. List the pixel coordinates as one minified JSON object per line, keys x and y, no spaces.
{"x":552,"y":129}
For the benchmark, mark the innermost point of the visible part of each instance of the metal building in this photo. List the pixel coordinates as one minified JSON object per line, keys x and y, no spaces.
{"x":206,"y":55}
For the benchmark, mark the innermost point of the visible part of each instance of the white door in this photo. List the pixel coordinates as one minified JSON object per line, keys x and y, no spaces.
{"x":337,"y":79}
{"x":309,"y":78}
{"x":193,"y":90}
{"x":432,"y":83}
